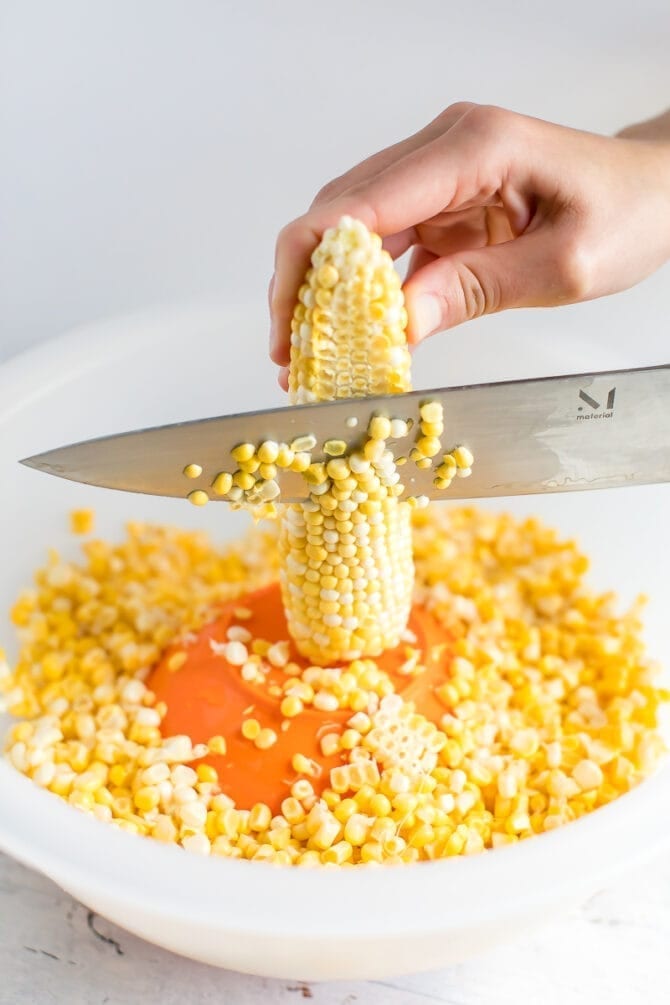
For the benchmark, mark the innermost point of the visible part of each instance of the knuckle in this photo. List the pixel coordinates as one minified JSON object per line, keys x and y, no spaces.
{"x":327,"y":192}
{"x":286,"y":235}
{"x":289,"y":241}
{"x":574,"y":270}
{"x":480,"y":293}
{"x":489,"y":121}
{"x":458,"y":109}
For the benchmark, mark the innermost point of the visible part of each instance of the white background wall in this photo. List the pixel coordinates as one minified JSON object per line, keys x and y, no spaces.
{"x":150,"y":149}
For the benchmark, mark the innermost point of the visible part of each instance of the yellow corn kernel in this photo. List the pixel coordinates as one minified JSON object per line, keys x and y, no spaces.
{"x":243,"y":452}
{"x":217,"y":745}
{"x":303,"y":444}
{"x":330,"y":744}
{"x":291,"y":706}
{"x":249,"y":467}
{"x":380,"y":805}
{"x":334,"y":448}
{"x":244,"y":480}
{"x":251,"y":729}
{"x":303,"y":765}
{"x":260,"y":817}
{"x":372,"y":851}
{"x":223,"y":483}
{"x":268,"y":472}
{"x":118,"y":775}
{"x":268,"y":452}
{"x":82,"y":521}
{"x":285,"y":456}
{"x":316,"y":473}
{"x":326,"y":833}
{"x":206,"y":773}
{"x":356,"y":829}
{"x":379,"y":427}
{"x":428,"y":446}
{"x":421,"y":835}
{"x":265,"y":739}
{"x":147,"y":798}
{"x":338,"y":469}
{"x":192,"y":471}
{"x":463,"y":457}
{"x":431,"y":411}
{"x":301,"y":461}
{"x":587,"y":774}
{"x":164,"y":830}
{"x":338,"y":853}
{"x":302,"y":790}
{"x":309,"y":858}
{"x":176,"y":660}
{"x":292,"y":810}
{"x":350,"y":738}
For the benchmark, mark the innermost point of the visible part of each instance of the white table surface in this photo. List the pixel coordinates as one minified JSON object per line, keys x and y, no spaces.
{"x":151,"y":151}
{"x":614,"y":950}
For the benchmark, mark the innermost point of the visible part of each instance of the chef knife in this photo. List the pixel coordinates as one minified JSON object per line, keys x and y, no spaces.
{"x":552,"y":434}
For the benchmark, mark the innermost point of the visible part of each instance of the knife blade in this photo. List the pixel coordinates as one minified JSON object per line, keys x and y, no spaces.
{"x":548,"y":434}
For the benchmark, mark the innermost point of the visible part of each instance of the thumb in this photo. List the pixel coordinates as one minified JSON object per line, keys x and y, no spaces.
{"x":448,"y":291}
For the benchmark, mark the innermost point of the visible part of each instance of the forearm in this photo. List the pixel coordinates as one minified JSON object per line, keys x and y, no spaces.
{"x":657,"y":129}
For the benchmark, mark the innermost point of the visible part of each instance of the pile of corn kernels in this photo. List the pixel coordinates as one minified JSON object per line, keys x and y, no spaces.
{"x":550,"y":706}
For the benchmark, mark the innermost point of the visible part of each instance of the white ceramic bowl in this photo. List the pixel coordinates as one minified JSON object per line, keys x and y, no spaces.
{"x":311,"y":924}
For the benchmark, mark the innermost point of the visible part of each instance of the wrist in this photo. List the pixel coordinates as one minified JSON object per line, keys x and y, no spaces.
{"x":650,"y":143}
{"x":654,"y":130}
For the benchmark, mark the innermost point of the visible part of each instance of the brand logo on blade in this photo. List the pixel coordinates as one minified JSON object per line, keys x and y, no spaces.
{"x":596,"y":410}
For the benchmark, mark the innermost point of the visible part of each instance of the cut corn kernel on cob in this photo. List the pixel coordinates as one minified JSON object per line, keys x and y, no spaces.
{"x":346,"y":555}
{"x":348,"y":330}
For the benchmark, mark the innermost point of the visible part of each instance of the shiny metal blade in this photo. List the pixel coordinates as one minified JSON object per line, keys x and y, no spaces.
{"x":553,"y":434}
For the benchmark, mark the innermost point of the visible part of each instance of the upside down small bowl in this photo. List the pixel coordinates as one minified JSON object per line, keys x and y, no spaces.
{"x":250,"y":916}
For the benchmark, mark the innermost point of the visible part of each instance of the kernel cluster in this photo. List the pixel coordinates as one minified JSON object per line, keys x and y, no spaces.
{"x":550,"y":704}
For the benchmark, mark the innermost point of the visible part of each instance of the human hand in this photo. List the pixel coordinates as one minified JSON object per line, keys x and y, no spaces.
{"x":501,"y":211}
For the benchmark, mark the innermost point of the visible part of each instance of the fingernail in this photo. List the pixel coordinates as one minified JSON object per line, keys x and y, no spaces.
{"x":426,"y":315}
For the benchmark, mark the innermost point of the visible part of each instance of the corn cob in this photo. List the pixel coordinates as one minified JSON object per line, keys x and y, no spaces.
{"x":346,"y":555}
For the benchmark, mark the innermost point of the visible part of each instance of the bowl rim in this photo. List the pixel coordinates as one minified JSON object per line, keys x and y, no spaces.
{"x":457,"y":893}
{"x":83,"y":854}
